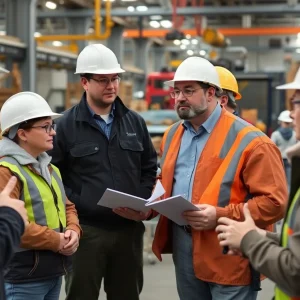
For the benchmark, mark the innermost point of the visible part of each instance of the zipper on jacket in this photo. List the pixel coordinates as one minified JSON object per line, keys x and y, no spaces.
{"x":55,"y":203}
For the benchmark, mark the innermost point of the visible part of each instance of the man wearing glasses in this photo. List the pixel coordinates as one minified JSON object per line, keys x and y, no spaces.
{"x":218,"y":162}
{"x":101,"y":144}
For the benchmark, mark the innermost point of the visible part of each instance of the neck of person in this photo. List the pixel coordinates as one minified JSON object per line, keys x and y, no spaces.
{"x":98,"y":109}
{"x":33,"y":152}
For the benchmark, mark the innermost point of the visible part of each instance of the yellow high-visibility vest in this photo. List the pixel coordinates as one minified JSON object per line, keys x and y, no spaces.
{"x":288,"y":229}
{"x":45,"y":204}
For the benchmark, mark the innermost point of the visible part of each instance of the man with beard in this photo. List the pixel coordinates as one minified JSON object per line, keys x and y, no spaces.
{"x":218,"y":162}
{"x":101,"y":144}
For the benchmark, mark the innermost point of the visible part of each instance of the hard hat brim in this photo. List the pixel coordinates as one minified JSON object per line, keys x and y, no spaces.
{"x":289,"y":86}
{"x":286,"y":120}
{"x":2,"y":70}
{"x":237,"y":96}
{"x":52,"y":115}
{"x":101,"y":71}
{"x":171,"y":83}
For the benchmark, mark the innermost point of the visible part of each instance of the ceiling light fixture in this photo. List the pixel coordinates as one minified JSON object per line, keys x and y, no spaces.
{"x":156,"y":17}
{"x":141,"y":8}
{"x":194,"y":42}
{"x":50,"y":5}
{"x":185,"y":42}
{"x":183,"y":47}
{"x":166,"y":23}
{"x":57,"y":43}
{"x":202,"y":52}
{"x":130,"y":8}
{"x":37,"y":34}
{"x":190,"y":52}
{"x":177,"y":42}
{"x":188,"y":36}
{"x":154,"y":24}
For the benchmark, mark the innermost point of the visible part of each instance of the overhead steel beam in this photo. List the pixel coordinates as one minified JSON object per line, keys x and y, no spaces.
{"x":269,"y":9}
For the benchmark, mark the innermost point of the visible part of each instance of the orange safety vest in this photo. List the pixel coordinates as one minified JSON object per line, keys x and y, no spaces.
{"x":217,"y":182}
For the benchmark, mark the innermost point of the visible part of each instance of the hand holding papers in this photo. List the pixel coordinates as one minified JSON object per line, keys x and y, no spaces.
{"x":172,"y":207}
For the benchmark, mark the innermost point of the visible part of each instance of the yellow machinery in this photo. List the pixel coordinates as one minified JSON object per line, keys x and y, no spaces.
{"x":97,"y":35}
{"x":214,"y":38}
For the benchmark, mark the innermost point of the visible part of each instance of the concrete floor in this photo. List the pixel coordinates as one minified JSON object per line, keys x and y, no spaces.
{"x":159,"y":283}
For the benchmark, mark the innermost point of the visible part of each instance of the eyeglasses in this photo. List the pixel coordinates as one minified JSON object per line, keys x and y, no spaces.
{"x":104,"y":82}
{"x":47,"y":127}
{"x":186,"y":92}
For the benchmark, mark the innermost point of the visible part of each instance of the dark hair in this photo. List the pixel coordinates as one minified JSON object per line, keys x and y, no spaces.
{"x":88,"y":76}
{"x":25,"y":125}
{"x":28,"y":124}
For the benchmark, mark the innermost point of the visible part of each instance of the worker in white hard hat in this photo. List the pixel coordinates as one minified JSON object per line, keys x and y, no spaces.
{"x":101,"y":144}
{"x":218,"y":162}
{"x":52,"y":234}
{"x":276,"y":255}
{"x":285,"y":137}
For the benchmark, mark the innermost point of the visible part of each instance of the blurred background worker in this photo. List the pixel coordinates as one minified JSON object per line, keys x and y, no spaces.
{"x":230,"y":89}
{"x":285,"y":137}
{"x":52,"y":235}
{"x":102,"y":144}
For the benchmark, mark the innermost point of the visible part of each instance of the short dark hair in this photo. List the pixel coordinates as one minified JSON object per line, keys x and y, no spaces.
{"x":88,"y":76}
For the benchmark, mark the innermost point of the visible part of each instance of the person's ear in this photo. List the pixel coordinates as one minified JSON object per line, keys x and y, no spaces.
{"x":84,"y":83}
{"x":224,"y":100}
{"x":210,"y":93}
{"x":21,"y":134}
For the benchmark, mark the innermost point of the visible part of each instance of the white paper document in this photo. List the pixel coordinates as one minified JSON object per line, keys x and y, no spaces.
{"x":114,"y":199}
{"x":173,"y":208}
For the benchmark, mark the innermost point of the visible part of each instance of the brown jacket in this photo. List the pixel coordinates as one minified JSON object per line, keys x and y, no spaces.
{"x":257,"y":172}
{"x":281,"y":265}
{"x":36,"y":236}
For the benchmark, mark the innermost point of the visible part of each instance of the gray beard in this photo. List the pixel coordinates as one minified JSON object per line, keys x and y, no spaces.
{"x":190,"y":113}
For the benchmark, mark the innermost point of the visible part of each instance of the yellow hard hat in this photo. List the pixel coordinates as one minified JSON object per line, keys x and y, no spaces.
{"x":228,"y":82}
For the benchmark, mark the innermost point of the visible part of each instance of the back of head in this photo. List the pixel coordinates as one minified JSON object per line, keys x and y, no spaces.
{"x":228,"y":82}
{"x":97,"y":59}
{"x":22,"y":107}
{"x":196,"y":69}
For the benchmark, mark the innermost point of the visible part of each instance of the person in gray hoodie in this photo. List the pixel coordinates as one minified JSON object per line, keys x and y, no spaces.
{"x":285,"y":137}
{"x":52,"y":235}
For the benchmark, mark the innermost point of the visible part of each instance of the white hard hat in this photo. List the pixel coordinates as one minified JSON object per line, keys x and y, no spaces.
{"x":196,"y":69}
{"x":285,"y":117}
{"x":2,"y":70}
{"x":22,"y":107}
{"x":294,"y":85}
{"x":97,"y":59}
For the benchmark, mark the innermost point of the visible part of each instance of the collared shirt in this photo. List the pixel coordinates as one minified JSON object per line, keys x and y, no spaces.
{"x":192,"y":145}
{"x":105,"y":126}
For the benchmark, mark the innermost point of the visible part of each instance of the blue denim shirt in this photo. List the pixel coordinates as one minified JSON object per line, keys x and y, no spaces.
{"x":192,"y":145}
{"x":106,"y":127}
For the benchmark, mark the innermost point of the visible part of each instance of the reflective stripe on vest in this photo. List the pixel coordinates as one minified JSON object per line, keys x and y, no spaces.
{"x":288,"y":229}
{"x":45,"y":205}
{"x":225,"y":177}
